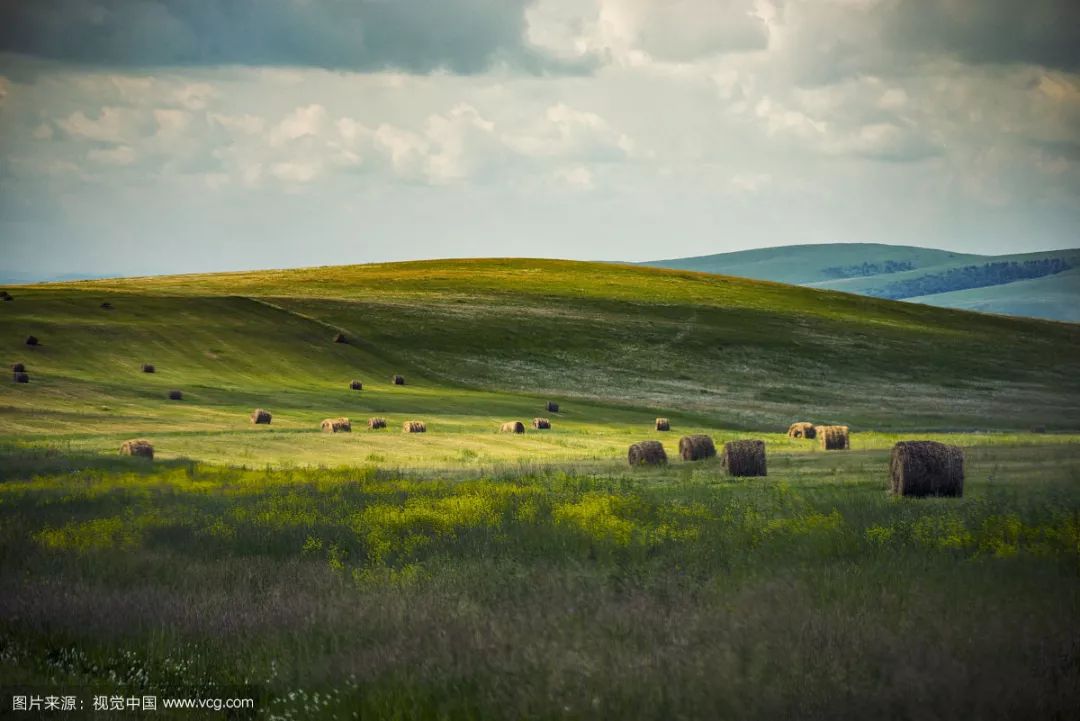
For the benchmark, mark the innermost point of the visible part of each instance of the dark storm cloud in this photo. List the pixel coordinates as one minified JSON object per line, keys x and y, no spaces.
{"x":463,"y":36}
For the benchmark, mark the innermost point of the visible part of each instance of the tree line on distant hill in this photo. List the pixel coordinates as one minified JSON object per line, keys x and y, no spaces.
{"x":970,"y":276}
{"x":867,"y":269}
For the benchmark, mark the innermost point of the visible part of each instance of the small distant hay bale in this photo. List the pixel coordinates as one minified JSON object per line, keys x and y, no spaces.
{"x":176,"y":396}
{"x":148,"y":368}
{"x":541,"y":424}
{"x":398,"y":380}
{"x":32,"y":340}
{"x":1039,"y":429}
{"x":336,"y":425}
{"x":376,"y":423}
{"x":802,"y":430}
{"x":663,"y":424}
{"x":647,"y":453}
{"x":744,"y":458}
{"x":4,"y":295}
{"x":22,"y":377}
{"x":512,"y":427}
{"x":696,"y":448}
{"x":926,"y":468}
{"x":260,"y":417}
{"x":138,"y":447}
{"x":8,"y":297}
{"x":833,"y":438}
{"x":414,"y":427}
{"x":552,"y":407}
{"x":356,"y":386}
{"x":106,"y":306}
{"x":340,"y":338}
{"x":18,"y":367}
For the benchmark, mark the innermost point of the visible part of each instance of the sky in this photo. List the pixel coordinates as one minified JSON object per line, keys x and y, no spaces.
{"x":153,"y":136}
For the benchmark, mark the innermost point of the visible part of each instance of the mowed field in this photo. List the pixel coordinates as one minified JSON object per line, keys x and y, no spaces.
{"x":464,"y":573}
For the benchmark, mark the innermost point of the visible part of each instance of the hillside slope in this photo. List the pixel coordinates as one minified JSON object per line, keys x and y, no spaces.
{"x":1056,"y":297}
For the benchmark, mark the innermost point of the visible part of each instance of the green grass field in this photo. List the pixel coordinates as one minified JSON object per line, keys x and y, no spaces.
{"x":464,"y":573}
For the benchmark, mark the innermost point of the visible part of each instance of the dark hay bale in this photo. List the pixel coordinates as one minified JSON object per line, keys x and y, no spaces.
{"x":647,"y":453}
{"x":32,"y":340}
{"x":926,"y":468}
{"x":398,"y":380}
{"x":744,"y":458}
{"x":336,"y":425}
{"x":22,"y":377}
{"x":552,"y":407}
{"x":18,"y":367}
{"x":148,"y":368}
{"x":1039,"y":429}
{"x":541,"y":424}
{"x":696,"y":448}
{"x":340,"y":338}
{"x":138,"y":447}
{"x":512,"y":427}
{"x":106,"y":306}
{"x":833,"y":438}
{"x":8,"y":297}
{"x":356,"y":386}
{"x":663,"y":424}
{"x":260,"y":417}
{"x":376,"y":423}
{"x":414,"y":427}
{"x":4,"y":294}
{"x":176,"y":396}
{"x":802,"y":430}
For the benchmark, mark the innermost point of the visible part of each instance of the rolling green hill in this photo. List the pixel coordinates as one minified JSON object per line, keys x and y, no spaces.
{"x":485,"y":340}
{"x":1055,"y":297}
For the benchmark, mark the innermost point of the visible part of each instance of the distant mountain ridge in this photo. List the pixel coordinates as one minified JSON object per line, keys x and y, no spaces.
{"x":1044,"y":284}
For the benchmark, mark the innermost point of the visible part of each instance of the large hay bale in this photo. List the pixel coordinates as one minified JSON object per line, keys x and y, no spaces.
{"x":260,"y":417}
{"x":541,"y":424}
{"x":647,"y":453}
{"x":512,"y":427}
{"x":398,"y":380}
{"x":414,"y":427}
{"x":148,"y":368}
{"x":696,"y":448}
{"x":176,"y":396}
{"x":376,"y":423}
{"x":744,"y":458}
{"x":926,"y":468}
{"x":18,"y":367}
{"x":138,"y":447}
{"x":336,"y":425}
{"x":340,"y":338}
{"x":802,"y":429}
{"x":833,"y":438}
{"x":356,"y":386}
{"x":663,"y":424}
{"x":22,"y":377}
{"x":552,"y":407}
{"x":32,"y":340}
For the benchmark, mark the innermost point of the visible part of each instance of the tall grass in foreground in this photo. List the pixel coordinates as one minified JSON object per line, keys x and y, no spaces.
{"x":554,"y":593}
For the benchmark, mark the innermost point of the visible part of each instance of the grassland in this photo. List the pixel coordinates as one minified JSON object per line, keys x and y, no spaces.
{"x":464,"y":573}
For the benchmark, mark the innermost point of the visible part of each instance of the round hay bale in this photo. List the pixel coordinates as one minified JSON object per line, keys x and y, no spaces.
{"x":647,"y":453}
{"x":340,"y":338}
{"x":260,"y":417}
{"x":802,"y":429}
{"x":696,"y":448}
{"x":32,"y":340}
{"x":398,"y":380}
{"x":336,"y":425}
{"x":148,"y":368}
{"x":663,"y":424}
{"x":926,"y":468}
{"x":18,"y":367}
{"x":552,"y":407}
{"x":4,"y":294}
{"x":414,"y":427}
{"x":833,"y":438}
{"x":376,"y":423}
{"x":541,"y":424}
{"x":744,"y":458}
{"x":8,"y":297}
{"x":22,"y":377}
{"x":106,"y":306}
{"x":176,"y":396}
{"x":138,"y":447}
{"x":356,"y":386}
{"x":512,"y":427}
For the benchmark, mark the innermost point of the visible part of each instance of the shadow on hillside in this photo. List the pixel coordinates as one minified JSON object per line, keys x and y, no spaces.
{"x":21,"y":462}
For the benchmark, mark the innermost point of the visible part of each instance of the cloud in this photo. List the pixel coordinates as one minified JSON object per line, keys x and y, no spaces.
{"x":462,"y":36}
